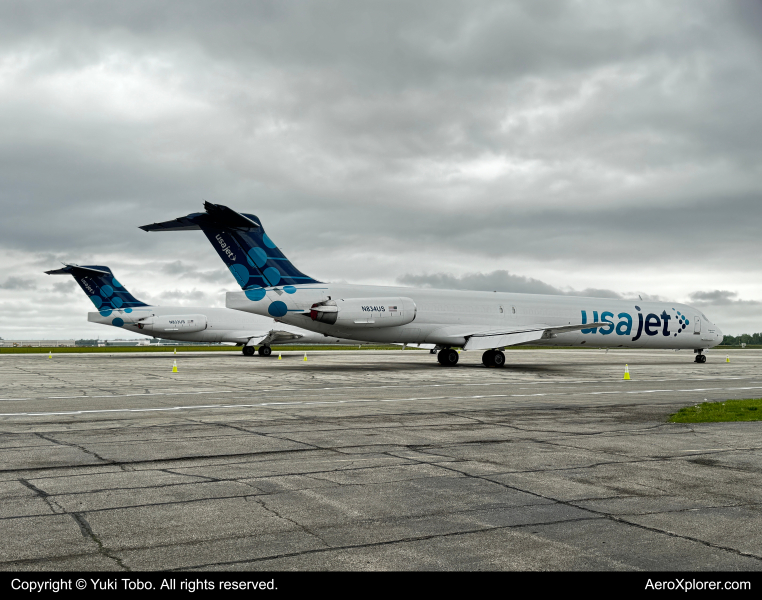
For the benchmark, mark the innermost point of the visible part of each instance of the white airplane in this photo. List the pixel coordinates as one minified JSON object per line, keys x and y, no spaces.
{"x":118,"y":308}
{"x":486,"y":321}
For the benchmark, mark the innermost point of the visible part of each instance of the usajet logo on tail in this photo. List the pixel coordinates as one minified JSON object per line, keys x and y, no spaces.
{"x":87,"y":285}
{"x":225,"y":247}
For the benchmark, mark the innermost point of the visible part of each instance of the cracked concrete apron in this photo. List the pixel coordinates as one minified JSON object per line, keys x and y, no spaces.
{"x":376,"y":460}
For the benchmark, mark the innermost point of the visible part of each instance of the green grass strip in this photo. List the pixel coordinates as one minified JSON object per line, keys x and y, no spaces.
{"x":718,"y":412}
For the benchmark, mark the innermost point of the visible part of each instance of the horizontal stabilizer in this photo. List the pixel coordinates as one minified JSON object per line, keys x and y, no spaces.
{"x":216,"y":216}
{"x":181,"y":224}
{"x":484,"y":340}
{"x":227,"y":217}
{"x":69,"y":269}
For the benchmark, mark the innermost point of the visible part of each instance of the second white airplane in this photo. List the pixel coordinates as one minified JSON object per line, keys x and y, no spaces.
{"x":470,"y":320}
{"x":118,"y":308}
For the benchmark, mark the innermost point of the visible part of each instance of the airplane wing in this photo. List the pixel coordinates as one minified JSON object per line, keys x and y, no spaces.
{"x":260,"y":338}
{"x":275,"y":336}
{"x":483,"y":340}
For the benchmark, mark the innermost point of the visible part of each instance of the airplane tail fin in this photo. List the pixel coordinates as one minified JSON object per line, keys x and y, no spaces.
{"x":100,"y":285}
{"x":240,"y":240}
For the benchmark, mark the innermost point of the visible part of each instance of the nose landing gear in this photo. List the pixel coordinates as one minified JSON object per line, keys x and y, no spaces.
{"x":700,"y":357}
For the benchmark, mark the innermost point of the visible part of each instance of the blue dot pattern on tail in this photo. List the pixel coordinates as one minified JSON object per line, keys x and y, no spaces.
{"x":277,"y":309}
{"x":100,"y":285}
{"x":255,"y":294}
{"x":252,"y":257}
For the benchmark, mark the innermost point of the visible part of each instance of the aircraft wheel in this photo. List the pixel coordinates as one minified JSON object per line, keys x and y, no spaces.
{"x":493,"y":358}
{"x":448,"y":357}
{"x":432,"y":351}
{"x":703,"y":358}
{"x":248,"y":350}
{"x":265,"y":351}
{"x":700,"y":358}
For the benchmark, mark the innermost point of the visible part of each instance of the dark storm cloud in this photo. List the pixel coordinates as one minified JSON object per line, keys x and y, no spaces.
{"x":615,"y":143}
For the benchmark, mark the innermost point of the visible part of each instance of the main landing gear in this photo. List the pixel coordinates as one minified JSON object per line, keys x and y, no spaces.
{"x":700,"y":356}
{"x":262,"y":351}
{"x":493,"y":358}
{"x":448,"y":357}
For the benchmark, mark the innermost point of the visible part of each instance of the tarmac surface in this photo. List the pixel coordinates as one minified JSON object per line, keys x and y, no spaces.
{"x":377,"y":460}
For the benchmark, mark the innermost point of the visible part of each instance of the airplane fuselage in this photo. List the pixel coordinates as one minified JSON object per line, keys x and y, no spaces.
{"x":200,"y":324}
{"x":448,"y":318}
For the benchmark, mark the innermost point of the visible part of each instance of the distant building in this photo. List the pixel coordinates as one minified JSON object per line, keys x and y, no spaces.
{"x":37,"y":343}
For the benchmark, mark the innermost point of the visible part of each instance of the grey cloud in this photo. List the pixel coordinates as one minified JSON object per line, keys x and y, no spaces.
{"x":185,"y":271}
{"x":714,"y":297}
{"x":500,"y":281}
{"x":720,"y":298}
{"x":67,"y":287}
{"x":186,"y":297}
{"x":17,"y":283}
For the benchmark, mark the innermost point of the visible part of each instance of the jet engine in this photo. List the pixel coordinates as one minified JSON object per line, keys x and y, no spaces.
{"x":364,"y":312}
{"x":178,"y":323}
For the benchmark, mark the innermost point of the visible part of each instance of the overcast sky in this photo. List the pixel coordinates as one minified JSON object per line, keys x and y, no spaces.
{"x":603,"y":148}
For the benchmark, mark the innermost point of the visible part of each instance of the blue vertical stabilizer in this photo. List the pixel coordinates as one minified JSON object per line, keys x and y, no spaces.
{"x":101,"y":286}
{"x":240,"y":240}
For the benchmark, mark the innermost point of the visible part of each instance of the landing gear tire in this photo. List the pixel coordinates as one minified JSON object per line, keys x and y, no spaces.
{"x":248,"y":350}
{"x":432,"y":351}
{"x":701,"y":358}
{"x":448,"y":357}
{"x":265,"y":351}
{"x":493,"y":358}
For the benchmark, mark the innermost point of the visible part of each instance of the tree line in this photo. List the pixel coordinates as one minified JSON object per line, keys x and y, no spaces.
{"x":746,"y":338}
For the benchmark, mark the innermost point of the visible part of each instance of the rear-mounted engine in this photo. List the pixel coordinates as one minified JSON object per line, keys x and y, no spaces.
{"x":178,"y":323}
{"x":364,"y":312}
